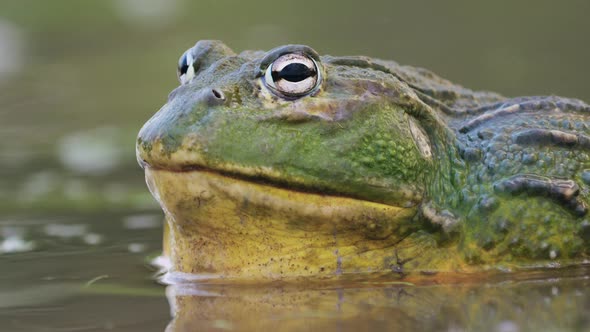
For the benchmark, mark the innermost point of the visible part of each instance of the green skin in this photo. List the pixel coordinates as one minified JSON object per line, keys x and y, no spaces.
{"x":502,"y":180}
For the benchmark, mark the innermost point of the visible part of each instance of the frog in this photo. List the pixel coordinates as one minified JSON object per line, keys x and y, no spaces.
{"x":286,"y":164}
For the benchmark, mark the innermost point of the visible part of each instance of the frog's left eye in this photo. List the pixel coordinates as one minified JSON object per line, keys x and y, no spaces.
{"x":186,"y":67}
{"x":292,"y":75}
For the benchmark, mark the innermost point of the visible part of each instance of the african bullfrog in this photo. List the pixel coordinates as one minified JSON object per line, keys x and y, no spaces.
{"x":286,"y":163}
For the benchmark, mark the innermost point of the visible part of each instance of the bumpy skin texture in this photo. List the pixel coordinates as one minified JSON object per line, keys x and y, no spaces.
{"x":467,"y":179}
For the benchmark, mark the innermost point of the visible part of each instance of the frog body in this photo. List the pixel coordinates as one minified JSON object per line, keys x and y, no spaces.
{"x":285,"y":163}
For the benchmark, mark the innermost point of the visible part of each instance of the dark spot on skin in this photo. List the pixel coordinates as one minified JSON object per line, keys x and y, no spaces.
{"x":487,"y":243}
{"x":398,"y":266}
{"x":503,"y":225}
{"x":470,"y":154}
{"x":529,"y":159}
{"x":485,"y":134}
{"x":203,"y":198}
{"x":488,"y":204}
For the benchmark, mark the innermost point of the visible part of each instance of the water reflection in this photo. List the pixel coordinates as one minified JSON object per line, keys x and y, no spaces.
{"x":557,"y":303}
{"x":87,"y":273}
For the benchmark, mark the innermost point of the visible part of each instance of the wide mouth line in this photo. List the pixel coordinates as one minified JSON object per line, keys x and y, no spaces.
{"x":265,"y":180}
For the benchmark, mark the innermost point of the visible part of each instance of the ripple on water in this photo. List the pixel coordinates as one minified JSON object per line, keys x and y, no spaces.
{"x":66,"y":230}
{"x":15,"y":244}
{"x":143,"y":221}
{"x":12,"y":240}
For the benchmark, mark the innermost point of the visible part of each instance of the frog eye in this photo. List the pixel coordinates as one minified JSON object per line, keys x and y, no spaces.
{"x":292,"y":75}
{"x":186,"y":68}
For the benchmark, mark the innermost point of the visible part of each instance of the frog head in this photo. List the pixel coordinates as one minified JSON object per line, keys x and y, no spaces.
{"x":287,"y":163}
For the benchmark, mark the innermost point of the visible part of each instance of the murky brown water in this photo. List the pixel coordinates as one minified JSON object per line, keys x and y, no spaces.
{"x":79,"y":78}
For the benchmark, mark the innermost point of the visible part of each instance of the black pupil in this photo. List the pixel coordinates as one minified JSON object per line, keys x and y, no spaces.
{"x":183,"y":65}
{"x":294,"y":72}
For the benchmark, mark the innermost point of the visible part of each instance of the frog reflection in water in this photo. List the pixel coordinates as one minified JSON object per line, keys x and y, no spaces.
{"x":285,"y":163}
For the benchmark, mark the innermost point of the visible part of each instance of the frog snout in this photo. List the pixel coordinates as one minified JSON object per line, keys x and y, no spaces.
{"x":206,"y":96}
{"x":179,"y":119}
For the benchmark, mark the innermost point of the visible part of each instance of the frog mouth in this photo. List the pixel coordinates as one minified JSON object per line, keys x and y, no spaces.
{"x":268,"y":178}
{"x":259,"y":177}
{"x":181,"y":191}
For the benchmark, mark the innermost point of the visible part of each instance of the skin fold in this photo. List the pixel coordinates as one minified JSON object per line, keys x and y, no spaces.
{"x":378,"y":168}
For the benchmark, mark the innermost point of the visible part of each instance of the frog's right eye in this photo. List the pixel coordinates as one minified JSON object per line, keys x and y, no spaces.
{"x":186,"y":68}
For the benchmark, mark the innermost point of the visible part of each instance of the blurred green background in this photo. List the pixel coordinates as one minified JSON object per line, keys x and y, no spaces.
{"x":79,"y":78}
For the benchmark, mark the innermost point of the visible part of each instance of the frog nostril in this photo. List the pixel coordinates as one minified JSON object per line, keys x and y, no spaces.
{"x":218,"y":94}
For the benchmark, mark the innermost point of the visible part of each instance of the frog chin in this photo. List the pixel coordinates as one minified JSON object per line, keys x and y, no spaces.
{"x":230,"y":227}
